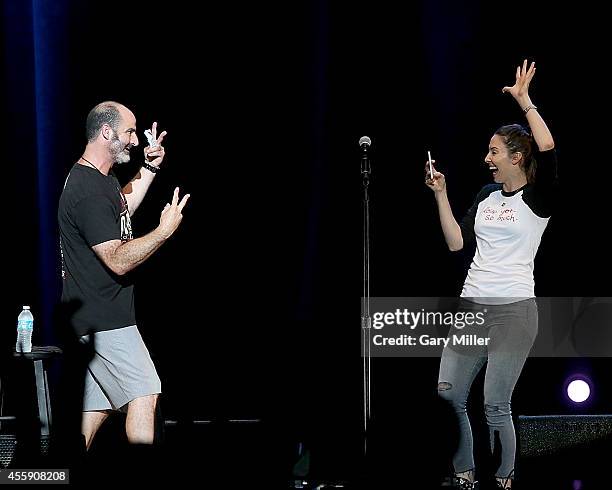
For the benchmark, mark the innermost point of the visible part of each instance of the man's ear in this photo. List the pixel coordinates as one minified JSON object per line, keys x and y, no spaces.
{"x":107,"y":132}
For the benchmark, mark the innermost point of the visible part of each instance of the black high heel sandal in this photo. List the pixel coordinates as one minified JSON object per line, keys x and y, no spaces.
{"x":460,"y":483}
{"x":503,"y":483}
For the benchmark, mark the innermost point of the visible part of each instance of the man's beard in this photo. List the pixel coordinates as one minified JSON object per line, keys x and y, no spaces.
{"x":119,"y":152}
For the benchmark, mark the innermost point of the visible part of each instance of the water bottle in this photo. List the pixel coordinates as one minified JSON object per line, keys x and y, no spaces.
{"x":25,"y":325}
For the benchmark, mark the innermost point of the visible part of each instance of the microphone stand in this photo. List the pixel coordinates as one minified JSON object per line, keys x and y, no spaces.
{"x":366,"y":321}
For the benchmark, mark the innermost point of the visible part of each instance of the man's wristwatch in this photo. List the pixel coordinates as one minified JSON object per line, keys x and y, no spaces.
{"x":150,"y":168}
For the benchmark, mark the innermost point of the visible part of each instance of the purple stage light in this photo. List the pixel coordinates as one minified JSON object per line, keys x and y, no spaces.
{"x":578,"y":389}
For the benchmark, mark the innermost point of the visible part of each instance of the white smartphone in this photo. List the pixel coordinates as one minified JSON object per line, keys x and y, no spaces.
{"x":150,"y":139}
{"x":431,"y":176}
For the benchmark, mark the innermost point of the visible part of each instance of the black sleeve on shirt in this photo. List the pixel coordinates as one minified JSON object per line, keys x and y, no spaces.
{"x":541,"y":197}
{"x":97,"y":219}
{"x":467,"y":223}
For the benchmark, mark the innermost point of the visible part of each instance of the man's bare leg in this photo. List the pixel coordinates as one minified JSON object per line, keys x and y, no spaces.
{"x":90,"y":423}
{"x":140,"y":422}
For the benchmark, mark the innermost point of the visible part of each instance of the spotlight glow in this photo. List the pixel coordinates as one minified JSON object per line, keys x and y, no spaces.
{"x":578,"y":390}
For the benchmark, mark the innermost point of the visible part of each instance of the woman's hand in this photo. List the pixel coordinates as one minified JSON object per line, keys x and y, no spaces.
{"x":520,"y":89}
{"x":438,"y":183}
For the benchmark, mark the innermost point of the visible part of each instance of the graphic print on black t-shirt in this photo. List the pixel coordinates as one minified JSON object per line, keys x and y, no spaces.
{"x":124,"y":217}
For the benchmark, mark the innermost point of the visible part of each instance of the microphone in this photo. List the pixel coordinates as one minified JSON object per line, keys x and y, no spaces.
{"x":365,"y":142}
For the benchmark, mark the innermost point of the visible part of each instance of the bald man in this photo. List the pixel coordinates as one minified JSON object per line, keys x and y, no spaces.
{"x":98,"y":252}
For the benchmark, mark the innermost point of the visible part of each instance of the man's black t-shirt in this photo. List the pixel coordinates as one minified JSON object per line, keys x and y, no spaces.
{"x":93,"y":210}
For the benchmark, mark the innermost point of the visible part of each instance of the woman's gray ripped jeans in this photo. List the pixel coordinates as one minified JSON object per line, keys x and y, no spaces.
{"x":511,"y":330}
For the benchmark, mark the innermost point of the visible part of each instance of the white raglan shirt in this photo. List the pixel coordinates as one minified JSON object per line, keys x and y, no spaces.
{"x":508,"y":228}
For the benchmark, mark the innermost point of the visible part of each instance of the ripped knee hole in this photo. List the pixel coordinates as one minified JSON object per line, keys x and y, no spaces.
{"x":443,"y":386}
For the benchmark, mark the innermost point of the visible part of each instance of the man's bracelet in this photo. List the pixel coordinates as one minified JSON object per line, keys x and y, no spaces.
{"x":529,"y":107}
{"x":150,"y":168}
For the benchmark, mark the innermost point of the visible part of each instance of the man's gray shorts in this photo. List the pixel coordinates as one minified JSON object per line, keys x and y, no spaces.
{"x":120,"y":370}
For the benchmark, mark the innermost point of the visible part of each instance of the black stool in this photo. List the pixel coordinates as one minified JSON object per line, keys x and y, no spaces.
{"x":38,"y":356}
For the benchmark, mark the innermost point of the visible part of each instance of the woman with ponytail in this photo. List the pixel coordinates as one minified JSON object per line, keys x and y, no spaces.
{"x":506,"y":222}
